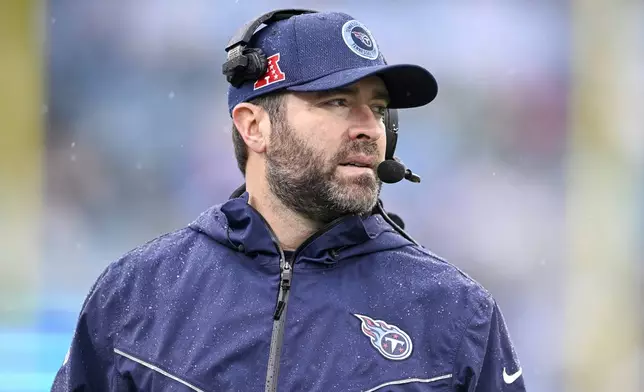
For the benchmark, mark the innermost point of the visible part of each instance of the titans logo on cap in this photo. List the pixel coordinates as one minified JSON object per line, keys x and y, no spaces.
{"x":359,"y":40}
{"x":391,"y":341}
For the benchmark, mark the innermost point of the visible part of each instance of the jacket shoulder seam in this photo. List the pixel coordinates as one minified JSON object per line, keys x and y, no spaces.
{"x":459,"y":346}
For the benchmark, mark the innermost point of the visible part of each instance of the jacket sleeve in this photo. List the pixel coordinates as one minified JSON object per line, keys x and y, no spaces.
{"x":486,"y":360}
{"x":89,"y":363}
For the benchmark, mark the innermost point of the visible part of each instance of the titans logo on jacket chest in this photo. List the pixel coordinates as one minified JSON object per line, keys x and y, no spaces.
{"x":392,"y":342}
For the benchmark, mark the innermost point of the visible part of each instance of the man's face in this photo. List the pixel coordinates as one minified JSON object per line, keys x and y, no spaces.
{"x":321,"y":161}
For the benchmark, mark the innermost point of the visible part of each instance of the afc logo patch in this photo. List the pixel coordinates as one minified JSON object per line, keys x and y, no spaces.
{"x":392,"y":342}
{"x":273,"y":73}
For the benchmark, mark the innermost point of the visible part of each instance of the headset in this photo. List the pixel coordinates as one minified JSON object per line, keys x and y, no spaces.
{"x":244,"y":64}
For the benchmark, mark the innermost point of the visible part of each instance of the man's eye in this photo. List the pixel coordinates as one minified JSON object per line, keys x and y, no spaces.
{"x":380,"y":110}
{"x":337,"y":102}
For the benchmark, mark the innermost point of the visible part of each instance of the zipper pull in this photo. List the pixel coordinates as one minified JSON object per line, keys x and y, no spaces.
{"x":287,"y":274}
{"x":285,"y":285}
{"x":279,"y":309}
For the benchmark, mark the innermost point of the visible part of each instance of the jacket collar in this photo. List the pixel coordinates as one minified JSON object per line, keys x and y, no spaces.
{"x":239,"y":226}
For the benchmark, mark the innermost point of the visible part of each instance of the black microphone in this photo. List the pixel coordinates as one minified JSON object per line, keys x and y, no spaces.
{"x":391,"y":171}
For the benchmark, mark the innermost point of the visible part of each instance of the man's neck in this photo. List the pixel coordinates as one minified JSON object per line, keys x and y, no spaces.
{"x":290,"y":228}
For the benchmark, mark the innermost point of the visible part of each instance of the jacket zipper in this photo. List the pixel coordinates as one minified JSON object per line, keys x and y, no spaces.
{"x":277,"y":336}
{"x":279,"y":316}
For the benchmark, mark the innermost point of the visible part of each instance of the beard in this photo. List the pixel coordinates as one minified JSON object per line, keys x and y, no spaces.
{"x":305,"y":182}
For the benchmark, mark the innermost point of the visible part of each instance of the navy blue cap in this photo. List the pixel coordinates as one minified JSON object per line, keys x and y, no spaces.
{"x":327,"y":50}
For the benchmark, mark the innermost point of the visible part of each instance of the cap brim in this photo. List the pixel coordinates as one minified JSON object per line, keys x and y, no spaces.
{"x":408,"y":85}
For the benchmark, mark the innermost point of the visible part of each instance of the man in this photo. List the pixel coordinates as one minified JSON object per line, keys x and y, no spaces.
{"x":297,"y":283}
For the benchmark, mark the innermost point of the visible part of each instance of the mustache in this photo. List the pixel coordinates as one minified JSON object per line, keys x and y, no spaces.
{"x":369,"y":149}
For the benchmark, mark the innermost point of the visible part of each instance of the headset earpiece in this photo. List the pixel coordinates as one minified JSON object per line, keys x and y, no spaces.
{"x":249,"y":64}
{"x":392,"y":169}
{"x":391,"y":131}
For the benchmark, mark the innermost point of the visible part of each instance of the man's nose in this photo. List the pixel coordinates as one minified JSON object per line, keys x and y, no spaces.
{"x":366,"y":124}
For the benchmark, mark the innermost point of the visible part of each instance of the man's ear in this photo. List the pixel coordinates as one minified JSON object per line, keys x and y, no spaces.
{"x":251,"y":122}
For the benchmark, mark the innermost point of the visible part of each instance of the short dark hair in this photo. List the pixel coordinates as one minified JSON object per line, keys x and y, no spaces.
{"x":272,"y":103}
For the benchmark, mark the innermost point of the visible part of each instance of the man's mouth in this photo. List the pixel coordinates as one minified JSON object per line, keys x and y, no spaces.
{"x":359,"y":161}
{"x":354,"y":164}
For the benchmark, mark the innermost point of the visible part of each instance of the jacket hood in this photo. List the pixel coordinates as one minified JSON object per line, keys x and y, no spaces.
{"x":237,"y":225}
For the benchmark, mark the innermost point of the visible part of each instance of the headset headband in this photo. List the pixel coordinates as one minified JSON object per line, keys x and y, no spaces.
{"x":244,"y":34}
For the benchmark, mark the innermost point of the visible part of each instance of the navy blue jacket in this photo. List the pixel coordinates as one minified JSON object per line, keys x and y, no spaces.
{"x":218,"y":306}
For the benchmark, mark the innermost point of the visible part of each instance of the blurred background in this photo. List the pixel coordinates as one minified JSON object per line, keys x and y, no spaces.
{"x":114,"y":130}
